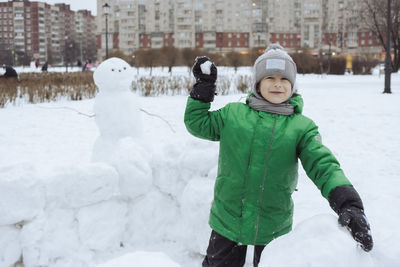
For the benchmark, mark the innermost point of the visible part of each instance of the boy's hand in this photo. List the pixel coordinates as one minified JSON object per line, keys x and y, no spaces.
{"x":204,"y":70}
{"x":205,"y":73}
{"x":356,"y":222}
{"x":346,"y":202}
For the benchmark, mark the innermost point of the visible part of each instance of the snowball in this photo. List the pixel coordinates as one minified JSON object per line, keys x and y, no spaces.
{"x":317,"y":241}
{"x":153,"y":219}
{"x":132,"y":162}
{"x":113,"y":74}
{"x":102,"y":226}
{"x":206,"y":67}
{"x":10,"y":248}
{"x":78,"y":186}
{"x":22,"y":195}
{"x":142,"y":259}
{"x":195,"y":206}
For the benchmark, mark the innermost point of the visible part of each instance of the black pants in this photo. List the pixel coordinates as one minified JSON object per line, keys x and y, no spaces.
{"x":223,"y":252}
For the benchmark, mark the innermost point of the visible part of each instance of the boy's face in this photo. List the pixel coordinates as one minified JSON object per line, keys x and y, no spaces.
{"x":275,"y":89}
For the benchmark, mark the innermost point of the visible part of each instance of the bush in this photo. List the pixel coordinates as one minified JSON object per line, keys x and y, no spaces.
{"x":364,"y":65}
{"x":305,"y":62}
{"x":45,"y":87}
{"x":338,"y":65}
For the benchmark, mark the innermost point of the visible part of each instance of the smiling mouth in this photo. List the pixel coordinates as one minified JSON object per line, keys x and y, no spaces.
{"x":276,"y":93}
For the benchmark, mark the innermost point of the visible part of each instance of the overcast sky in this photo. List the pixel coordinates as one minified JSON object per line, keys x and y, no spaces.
{"x":76,"y":4}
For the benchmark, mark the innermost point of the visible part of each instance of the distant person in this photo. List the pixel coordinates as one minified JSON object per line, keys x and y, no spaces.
{"x":10,"y":72}
{"x":37,"y":63}
{"x":79,"y":63}
{"x":45,"y":66}
{"x":87,"y":65}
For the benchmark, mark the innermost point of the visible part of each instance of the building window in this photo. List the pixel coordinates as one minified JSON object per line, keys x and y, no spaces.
{"x":238,"y":43}
{"x":229,"y":35}
{"x":229,"y":43}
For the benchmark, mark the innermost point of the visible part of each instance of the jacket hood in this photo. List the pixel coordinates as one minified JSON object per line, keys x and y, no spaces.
{"x":296,"y":100}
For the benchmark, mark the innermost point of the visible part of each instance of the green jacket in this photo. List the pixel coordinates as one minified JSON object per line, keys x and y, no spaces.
{"x":258,"y":169}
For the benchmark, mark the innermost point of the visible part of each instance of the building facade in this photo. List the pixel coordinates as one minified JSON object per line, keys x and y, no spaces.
{"x":36,"y":31}
{"x":235,"y":25}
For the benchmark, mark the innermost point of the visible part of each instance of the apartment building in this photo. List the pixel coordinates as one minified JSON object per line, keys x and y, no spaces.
{"x":85,"y":35}
{"x":39,"y":31}
{"x":236,"y":25}
{"x":113,"y":22}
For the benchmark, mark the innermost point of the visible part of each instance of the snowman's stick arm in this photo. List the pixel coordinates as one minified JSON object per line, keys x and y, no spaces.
{"x":155,"y":115}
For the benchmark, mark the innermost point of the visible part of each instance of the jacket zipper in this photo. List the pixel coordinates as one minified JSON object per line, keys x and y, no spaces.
{"x":265,"y":176}
{"x":247,"y":176}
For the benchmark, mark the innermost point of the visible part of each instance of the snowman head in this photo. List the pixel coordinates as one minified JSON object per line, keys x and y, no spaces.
{"x":113,"y":74}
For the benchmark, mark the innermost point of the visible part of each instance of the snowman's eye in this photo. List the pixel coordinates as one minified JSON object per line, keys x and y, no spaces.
{"x":112,"y":69}
{"x":124,"y":68}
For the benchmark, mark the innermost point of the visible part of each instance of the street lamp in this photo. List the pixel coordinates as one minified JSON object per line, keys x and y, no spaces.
{"x":388,"y":59}
{"x":106,"y":11}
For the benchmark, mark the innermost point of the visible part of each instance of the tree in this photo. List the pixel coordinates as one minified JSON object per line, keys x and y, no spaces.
{"x":373,"y":15}
{"x":6,"y":56}
{"x":235,"y":59}
{"x":147,"y":58}
{"x":188,"y":56}
{"x":169,"y":57}
{"x":119,"y":54}
{"x":305,"y":62}
{"x":254,"y":54}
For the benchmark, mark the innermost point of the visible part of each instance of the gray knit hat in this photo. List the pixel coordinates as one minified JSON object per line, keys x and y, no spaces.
{"x":275,"y":61}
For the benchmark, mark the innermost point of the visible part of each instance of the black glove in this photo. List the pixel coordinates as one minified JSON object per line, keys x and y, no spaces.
{"x":204,"y":88}
{"x":346,"y":202}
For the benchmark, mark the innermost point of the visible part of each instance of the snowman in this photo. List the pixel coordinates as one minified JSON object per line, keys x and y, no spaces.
{"x":115,"y":106}
{"x":119,"y":123}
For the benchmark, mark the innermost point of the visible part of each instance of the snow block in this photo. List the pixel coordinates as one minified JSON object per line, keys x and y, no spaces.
{"x":142,"y":259}
{"x":317,"y":241}
{"x":51,"y":237}
{"x":195,"y":206}
{"x":78,"y":186}
{"x":102,"y":226}
{"x":22,"y":195}
{"x":167,"y":170}
{"x":152,"y":219}
{"x":131,"y":161}
{"x":10,"y":248}
{"x":198,"y":159}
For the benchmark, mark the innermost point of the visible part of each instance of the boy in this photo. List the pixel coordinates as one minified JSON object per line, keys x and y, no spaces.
{"x":260,"y":144}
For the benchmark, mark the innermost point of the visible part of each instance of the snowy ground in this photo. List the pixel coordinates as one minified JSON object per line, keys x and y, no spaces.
{"x":59,"y":209}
